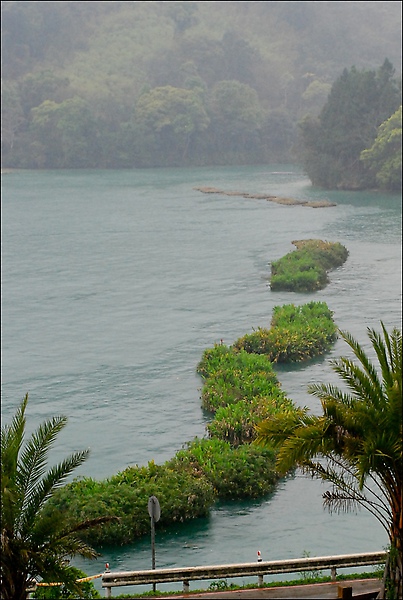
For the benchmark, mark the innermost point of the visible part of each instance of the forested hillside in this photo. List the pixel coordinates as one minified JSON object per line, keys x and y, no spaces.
{"x":145,"y":84}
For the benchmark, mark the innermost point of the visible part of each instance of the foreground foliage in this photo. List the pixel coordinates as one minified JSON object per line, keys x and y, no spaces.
{"x":305,"y":269}
{"x":356,"y":444}
{"x":61,"y":592}
{"x":36,"y":542}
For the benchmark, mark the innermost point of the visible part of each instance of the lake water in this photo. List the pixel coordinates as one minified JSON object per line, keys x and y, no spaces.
{"x":113,"y":285}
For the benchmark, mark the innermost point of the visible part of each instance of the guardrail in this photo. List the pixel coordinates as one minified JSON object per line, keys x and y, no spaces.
{"x":259,"y":569}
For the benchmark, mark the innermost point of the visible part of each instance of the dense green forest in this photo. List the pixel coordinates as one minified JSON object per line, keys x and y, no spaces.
{"x":148,"y":84}
{"x":356,"y":142}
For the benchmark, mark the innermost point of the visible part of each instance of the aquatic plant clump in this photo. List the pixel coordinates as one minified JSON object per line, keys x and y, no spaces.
{"x":240,"y":472}
{"x":305,"y":269}
{"x":297,"y":333}
{"x":231,"y":376}
{"x":241,"y":390}
{"x":240,"y":386}
{"x":236,"y":423}
{"x":182,"y":496}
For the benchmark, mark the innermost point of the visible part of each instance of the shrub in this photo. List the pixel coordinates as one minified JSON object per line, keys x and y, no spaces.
{"x":241,"y":389}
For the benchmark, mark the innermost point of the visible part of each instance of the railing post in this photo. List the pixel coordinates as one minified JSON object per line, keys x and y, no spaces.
{"x":108,"y":590}
{"x":333,"y":573}
{"x":259,"y":577}
{"x":185,"y":586}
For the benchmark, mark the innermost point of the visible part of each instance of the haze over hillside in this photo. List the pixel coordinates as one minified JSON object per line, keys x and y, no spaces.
{"x":243,"y":72}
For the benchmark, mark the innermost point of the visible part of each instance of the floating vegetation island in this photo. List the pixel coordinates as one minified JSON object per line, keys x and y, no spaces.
{"x":305,"y":269}
{"x":240,"y":389}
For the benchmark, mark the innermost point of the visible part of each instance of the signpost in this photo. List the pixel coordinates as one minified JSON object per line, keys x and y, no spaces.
{"x":154,"y":511}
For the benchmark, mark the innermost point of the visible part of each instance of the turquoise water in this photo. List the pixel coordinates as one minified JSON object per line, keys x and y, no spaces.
{"x":113,"y":285}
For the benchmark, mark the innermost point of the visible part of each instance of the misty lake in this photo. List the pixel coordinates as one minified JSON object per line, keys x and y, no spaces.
{"x":113,"y":285}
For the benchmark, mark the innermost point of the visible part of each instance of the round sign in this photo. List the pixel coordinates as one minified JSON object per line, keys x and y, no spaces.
{"x":154,"y":509}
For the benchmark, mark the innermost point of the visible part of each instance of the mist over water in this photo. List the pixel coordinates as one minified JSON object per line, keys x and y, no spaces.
{"x":115,"y":282}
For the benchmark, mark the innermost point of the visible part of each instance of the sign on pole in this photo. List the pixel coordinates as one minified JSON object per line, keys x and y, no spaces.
{"x":154,"y":509}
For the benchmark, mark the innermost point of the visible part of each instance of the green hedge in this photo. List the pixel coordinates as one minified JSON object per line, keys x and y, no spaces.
{"x":305,"y":269}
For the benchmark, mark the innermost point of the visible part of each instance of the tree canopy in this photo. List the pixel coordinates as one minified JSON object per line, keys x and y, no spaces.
{"x":234,"y":78}
{"x":358,"y":103}
{"x":384,"y":158}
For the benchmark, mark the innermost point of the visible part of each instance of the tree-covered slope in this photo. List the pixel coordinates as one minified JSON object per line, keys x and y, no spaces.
{"x":76,"y":77}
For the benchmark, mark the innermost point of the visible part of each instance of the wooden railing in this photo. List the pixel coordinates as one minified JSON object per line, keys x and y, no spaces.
{"x":259,"y":569}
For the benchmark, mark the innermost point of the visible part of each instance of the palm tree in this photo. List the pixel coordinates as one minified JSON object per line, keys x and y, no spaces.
{"x":35,"y":542}
{"x":356,"y":444}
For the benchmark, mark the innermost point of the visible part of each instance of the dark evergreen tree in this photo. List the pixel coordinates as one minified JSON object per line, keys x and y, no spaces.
{"x":331,"y":144}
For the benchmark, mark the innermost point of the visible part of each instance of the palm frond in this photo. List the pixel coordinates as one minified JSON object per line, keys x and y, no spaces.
{"x":53,"y":479}
{"x":388,"y":351}
{"x":358,"y":381}
{"x":33,"y":459}
{"x":326,"y":392}
{"x":273,"y":431}
{"x":90,"y":523}
{"x":363,"y":359}
{"x":12,"y":437}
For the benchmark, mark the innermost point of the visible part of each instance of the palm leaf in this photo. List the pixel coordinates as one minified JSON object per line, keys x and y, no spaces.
{"x":33,"y":459}
{"x":35,"y":540}
{"x":368,"y":368}
{"x":357,"y":444}
{"x":44,"y":489}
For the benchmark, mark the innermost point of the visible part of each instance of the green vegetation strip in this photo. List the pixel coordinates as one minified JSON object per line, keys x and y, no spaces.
{"x":305,"y":269}
{"x":240,"y":389}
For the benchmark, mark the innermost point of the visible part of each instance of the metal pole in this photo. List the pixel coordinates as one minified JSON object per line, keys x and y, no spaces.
{"x":153,"y":547}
